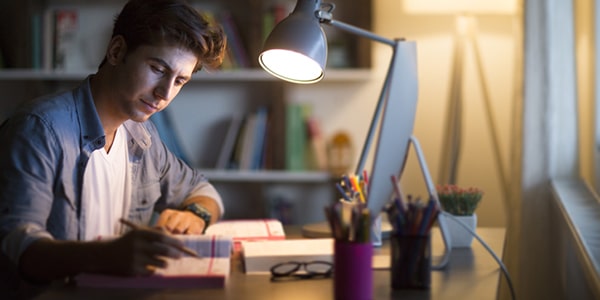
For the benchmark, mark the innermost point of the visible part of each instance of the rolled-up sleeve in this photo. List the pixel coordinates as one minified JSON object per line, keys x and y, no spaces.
{"x":28,"y":167}
{"x":178,"y":181}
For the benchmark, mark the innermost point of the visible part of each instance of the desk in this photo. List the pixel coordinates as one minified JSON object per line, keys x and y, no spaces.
{"x":471,"y":274}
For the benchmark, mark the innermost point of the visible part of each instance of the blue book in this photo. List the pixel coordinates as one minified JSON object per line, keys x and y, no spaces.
{"x":167,"y":133}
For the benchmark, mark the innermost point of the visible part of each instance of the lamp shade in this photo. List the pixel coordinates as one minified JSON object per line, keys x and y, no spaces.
{"x":296,"y":49}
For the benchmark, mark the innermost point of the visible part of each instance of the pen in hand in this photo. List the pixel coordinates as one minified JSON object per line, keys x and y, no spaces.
{"x":183,"y":249}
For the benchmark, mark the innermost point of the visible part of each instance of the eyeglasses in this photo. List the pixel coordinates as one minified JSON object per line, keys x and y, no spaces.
{"x":301,"y":270}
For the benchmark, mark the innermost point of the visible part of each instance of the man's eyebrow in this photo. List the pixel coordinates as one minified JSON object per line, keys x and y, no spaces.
{"x":168,"y":67}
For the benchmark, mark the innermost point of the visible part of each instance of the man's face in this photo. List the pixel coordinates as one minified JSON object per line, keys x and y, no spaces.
{"x":148,"y":78}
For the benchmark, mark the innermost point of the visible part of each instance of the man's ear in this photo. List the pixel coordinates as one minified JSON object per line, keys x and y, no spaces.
{"x":117,"y":47}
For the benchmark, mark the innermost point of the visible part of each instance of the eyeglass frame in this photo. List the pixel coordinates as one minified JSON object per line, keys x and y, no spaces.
{"x":298,"y":265}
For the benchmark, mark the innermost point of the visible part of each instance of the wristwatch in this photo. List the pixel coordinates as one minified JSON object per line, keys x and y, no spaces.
{"x":201,"y":212}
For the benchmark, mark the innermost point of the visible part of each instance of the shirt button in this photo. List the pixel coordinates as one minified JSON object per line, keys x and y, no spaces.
{"x":144,"y":201}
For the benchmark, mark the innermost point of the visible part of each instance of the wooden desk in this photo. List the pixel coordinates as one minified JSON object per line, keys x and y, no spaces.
{"x":471,"y":274}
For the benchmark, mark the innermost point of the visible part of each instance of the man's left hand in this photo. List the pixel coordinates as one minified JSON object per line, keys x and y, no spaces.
{"x":180,"y":222}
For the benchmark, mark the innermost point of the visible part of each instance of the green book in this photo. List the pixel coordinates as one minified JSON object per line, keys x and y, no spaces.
{"x":295,"y":138}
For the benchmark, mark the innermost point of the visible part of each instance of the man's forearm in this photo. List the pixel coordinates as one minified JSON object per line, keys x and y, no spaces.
{"x":46,"y":260}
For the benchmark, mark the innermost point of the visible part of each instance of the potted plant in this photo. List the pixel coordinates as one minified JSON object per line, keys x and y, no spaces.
{"x":461,"y":203}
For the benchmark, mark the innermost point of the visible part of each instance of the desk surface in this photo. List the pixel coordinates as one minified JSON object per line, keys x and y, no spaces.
{"x":472,"y":273}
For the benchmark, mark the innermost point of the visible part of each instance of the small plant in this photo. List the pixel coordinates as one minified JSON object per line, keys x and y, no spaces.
{"x":459,"y":201}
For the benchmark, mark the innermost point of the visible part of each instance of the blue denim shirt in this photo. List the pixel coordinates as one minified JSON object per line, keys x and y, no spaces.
{"x":45,"y":148}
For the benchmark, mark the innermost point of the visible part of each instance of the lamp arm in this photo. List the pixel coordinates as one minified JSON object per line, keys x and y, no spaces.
{"x":324,"y":18}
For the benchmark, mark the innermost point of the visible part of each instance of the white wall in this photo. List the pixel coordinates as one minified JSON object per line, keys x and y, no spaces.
{"x":343,"y":106}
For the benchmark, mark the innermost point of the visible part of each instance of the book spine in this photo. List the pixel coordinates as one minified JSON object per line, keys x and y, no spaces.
{"x":65,"y":26}
{"x":295,"y":137}
{"x":260,"y":138}
{"x":235,"y":43}
{"x":36,"y":41}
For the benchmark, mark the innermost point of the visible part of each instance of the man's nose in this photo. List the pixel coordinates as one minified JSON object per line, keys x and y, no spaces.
{"x":165,"y":89}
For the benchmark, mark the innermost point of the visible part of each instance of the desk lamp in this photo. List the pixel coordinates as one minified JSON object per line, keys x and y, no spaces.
{"x":296,"y":51}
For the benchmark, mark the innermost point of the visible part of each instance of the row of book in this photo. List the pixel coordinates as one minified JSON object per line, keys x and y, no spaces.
{"x":238,"y":54}
{"x":53,"y":35}
{"x":252,"y":142}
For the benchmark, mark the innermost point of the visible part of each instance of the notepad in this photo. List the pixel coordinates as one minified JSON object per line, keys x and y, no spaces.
{"x":260,"y":256}
{"x":211,"y":270}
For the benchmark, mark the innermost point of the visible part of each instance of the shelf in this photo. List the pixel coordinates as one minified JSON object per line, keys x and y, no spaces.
{"x":267,"y":176}
{"x":249,"y":75}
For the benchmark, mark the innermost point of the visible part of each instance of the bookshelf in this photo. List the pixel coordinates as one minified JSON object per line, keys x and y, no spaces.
{"x":200,"y":113}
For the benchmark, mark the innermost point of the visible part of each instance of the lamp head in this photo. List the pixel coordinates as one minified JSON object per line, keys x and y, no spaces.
{"x":296,"y":49}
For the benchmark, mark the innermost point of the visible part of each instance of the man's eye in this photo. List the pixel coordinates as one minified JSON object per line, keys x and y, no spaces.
{"x":157,"y":70}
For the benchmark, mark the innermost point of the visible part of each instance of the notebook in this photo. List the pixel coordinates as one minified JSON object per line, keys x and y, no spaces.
{"x":210,"y":270}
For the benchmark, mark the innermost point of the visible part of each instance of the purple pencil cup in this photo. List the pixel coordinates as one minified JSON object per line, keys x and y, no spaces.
{"x":352,"y":271}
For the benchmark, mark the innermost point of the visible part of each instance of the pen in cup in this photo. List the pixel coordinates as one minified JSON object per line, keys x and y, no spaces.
{"x":183,"y":249}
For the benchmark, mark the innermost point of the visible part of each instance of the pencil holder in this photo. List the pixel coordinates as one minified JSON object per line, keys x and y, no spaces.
{"x":352,"y":273}
{"x":411,"y":261}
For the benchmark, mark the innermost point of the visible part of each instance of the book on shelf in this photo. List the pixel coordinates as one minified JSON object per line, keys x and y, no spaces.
{"x":227,"y":149}
{"x":259,"y":256}
{"x":250,"y":142}
{"x":296,"y":137}
{"x":65,"y":30}
{"x":317,"y":152}
{"x":237,"y":49}
{"x":260,"y":138}
{"x":164,"y":124}
{"x":210,"y":270}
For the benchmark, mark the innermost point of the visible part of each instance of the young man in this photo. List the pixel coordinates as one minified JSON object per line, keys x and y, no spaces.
{"x":75,"y":163}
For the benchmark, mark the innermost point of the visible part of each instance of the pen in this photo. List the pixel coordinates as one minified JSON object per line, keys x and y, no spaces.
{"x":183,"y":249}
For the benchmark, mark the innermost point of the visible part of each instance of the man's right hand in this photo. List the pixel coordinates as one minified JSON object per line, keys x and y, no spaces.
{"x":140,"y":251}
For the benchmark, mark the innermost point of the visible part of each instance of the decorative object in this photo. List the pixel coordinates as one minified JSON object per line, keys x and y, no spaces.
{"x":461,"y":203}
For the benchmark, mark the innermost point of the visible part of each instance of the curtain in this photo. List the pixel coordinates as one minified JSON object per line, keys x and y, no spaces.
{"x":546,"y":112}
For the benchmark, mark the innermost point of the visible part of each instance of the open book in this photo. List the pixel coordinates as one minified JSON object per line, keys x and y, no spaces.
{"x":248,"y":230}
{"x":210,"y":270}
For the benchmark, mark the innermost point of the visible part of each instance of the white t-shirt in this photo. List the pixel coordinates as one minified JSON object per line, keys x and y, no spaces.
{"x":106,"y":189}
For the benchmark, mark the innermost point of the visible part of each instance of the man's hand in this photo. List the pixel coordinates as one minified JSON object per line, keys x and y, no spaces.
{"x":180,"y":222}
{"x":138,"y":252}
{"x":141,"y":251}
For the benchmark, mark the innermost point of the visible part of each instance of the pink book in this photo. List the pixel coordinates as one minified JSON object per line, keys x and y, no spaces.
{"x":248,"y":230}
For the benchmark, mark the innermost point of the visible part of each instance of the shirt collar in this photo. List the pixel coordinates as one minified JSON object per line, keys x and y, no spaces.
{"x":89,"y":121}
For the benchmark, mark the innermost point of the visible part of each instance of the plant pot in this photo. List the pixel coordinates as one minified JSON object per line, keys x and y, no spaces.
{"x":459,"y":236}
